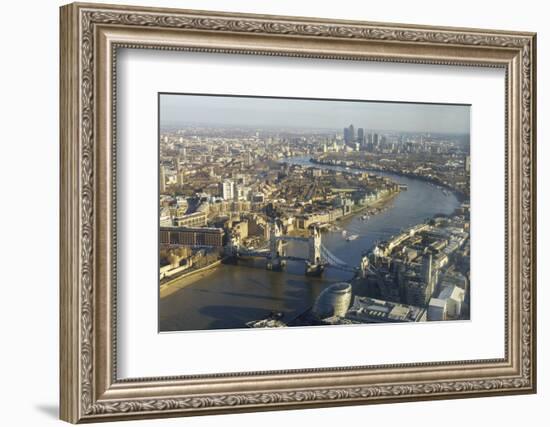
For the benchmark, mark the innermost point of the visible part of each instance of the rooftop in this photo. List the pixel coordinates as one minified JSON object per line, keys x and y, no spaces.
{"x":370,"y":310}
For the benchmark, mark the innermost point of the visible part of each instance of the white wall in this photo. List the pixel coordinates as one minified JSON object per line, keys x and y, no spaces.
{"x":29,"y":169}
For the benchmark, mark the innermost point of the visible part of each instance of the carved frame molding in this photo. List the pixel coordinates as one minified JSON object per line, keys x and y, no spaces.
{"x":90,"y":390}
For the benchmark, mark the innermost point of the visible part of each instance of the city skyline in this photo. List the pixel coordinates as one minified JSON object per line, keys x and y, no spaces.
{"x":265,"y":225}
{"x":236,"y":111}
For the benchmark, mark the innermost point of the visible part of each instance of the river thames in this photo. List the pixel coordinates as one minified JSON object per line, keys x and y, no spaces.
{"x":228,"y":296}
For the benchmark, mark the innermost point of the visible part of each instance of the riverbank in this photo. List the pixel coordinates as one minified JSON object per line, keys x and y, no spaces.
{"x":459,"y":194}
{"x":379,"y":206}
{"x":185,"y":279}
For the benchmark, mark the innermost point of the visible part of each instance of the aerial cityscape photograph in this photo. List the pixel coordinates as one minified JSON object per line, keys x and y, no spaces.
{"x":283,"y":212}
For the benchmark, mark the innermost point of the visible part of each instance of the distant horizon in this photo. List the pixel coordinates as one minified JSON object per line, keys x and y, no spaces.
{"x":315,"y":114}
{"x":297,"y":128}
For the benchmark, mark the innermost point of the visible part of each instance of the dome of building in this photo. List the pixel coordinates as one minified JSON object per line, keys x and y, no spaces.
{"x":333,"y":301}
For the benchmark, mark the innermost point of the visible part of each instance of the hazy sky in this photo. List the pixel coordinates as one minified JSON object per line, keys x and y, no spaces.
{"x":273,"y":112}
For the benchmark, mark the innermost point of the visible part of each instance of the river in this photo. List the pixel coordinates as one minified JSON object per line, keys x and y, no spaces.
{"x":231,"y":295}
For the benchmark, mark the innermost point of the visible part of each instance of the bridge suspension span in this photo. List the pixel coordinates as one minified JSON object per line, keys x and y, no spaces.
{"x":318,"y":258}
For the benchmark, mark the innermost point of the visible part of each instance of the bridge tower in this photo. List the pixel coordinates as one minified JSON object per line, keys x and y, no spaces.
{"x":232,"y":247}
{"x":314,"y":264}
{"x":276,"y":248}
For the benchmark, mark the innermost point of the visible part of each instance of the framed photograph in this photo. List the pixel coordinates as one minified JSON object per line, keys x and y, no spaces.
{"x":267,"y":212}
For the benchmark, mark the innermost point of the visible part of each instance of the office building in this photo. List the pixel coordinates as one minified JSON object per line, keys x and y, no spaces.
{"x":349,"y":134}
{"x":360,"y":135}
{"x":196,"y":219}
{"x":192,"y":236}
{"x":372,"y":310}
{"x":333,"y":301}
{"x":437,"y":309}
{"x":227,"y":189}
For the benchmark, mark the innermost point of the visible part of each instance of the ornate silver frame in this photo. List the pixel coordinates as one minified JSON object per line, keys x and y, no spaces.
{"x":90,"y":36}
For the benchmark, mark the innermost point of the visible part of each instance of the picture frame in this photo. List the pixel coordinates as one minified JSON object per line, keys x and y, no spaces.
{"x":91,"y":35}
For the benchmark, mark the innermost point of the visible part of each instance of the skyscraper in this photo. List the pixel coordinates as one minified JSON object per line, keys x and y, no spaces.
{"x":360,"y":135}
{"x":349,"y":134}
{"x":375,"y":138}
{"x":346,"y":135}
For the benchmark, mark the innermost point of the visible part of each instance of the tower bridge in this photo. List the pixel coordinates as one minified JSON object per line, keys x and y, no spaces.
{"x":319,"y":257}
